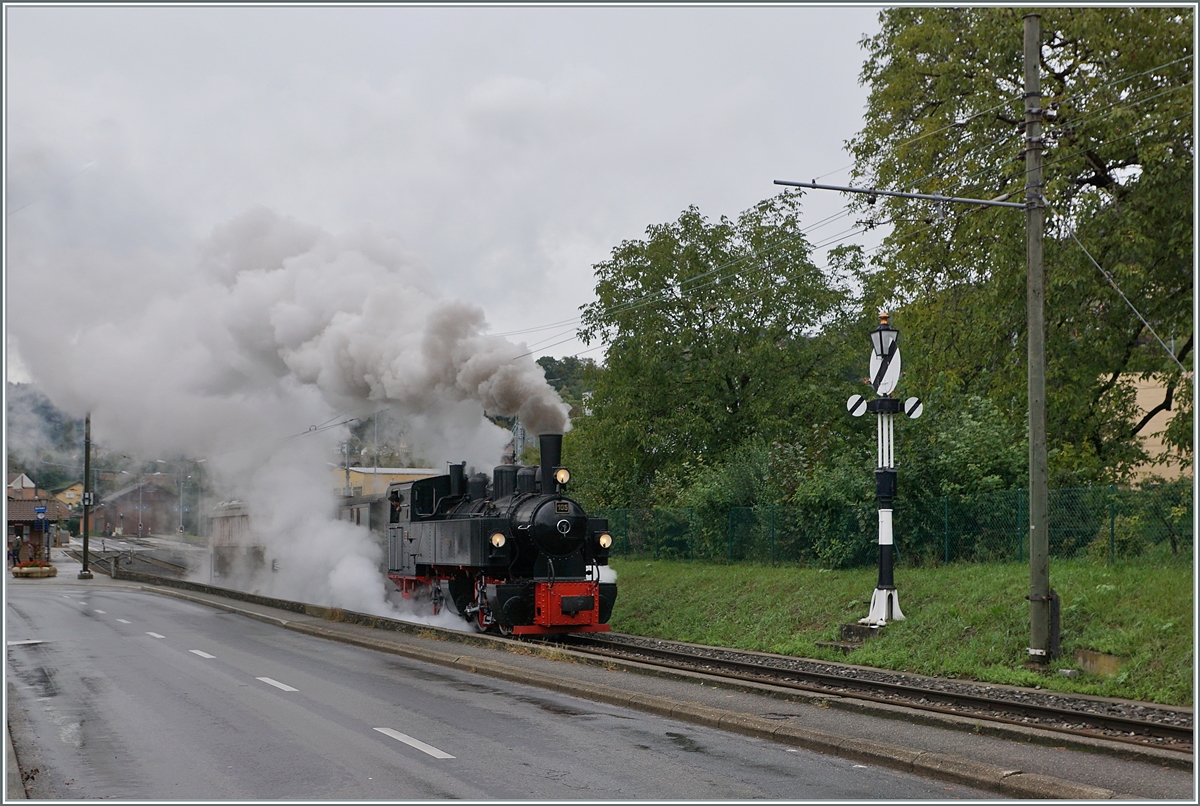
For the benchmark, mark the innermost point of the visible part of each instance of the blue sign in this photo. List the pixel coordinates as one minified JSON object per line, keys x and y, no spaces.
{"x":39,"y":509}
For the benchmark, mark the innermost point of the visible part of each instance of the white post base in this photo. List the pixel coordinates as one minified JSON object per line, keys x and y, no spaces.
{"x":885,"y":607}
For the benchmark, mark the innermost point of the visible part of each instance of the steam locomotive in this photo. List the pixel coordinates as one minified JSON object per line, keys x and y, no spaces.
{"x":517,"y":556}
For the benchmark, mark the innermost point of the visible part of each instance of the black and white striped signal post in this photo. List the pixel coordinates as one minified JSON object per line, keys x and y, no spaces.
{"x":885,"y":372}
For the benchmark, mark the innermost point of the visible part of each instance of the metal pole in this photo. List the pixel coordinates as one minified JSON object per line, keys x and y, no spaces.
{"x":946,"y":522}
{"x":772,"y":534}
{"x":87,"y":490}
{"x":1035,"y":214}
{"x":1112,"y":523}
{"x":198,"y":518}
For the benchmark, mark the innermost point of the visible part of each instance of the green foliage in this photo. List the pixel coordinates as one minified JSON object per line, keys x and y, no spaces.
{"x":729,"y":355}
{"x":43,"y":442}
{"x":961,"y":447}
{"x":837,"y":509}
{"x":966,"y":621}
{"x":569,"y":377}
{"x":1119,"y":155}
{"x":831,"y":522}
{"x":1125,"y":537}
{"x":710,"y":336}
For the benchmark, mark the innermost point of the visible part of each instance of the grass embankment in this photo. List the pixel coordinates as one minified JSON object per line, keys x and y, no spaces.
{"x":965,"y":621}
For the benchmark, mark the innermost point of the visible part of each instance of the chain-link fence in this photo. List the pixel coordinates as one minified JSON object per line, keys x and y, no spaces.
{"x":1105,"y":524}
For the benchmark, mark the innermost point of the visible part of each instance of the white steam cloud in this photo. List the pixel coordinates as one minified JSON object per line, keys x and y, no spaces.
{"x":273,"y":329}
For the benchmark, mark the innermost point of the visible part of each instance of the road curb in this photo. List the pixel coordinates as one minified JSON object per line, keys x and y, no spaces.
{"x":1015,"y":783}
{"x":14,"y":786}
{"x":279,"y":622}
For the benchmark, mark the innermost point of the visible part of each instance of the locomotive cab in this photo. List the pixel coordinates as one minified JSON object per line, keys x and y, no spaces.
{"x":517,"y":556}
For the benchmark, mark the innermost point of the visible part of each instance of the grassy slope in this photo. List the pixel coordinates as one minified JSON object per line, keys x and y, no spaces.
{"x":967,"y":621}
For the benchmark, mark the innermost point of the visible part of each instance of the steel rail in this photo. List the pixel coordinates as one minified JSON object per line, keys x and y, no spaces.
{"x":820,"y":682}
{"x":107,"y":559}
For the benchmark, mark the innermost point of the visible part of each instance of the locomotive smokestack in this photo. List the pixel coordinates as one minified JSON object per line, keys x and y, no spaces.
{"x":457,"y":479}
{"x":551,"y":449}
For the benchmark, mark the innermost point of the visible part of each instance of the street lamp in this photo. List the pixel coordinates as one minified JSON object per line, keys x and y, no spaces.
{"x":159,"y":472}
{"x":121,"y":516}
{"x":182,"y":479}
{"x":884,"y":337}
{"x":197,"y":522}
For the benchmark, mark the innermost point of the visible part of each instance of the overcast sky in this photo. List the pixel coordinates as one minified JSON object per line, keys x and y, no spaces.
{"x":508,"y":149}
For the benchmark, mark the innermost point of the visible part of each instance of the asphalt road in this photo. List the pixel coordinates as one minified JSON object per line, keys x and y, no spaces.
{"x":121,"y":693}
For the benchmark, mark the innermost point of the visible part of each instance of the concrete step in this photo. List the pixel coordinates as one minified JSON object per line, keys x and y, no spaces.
{"x":857,"y":632}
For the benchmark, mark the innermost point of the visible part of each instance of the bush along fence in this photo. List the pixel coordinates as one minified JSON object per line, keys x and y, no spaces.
{"x":1104,"y":524}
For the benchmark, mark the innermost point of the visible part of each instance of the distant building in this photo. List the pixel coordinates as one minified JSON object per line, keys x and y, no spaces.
{"x":70,"y":494}
{"x":21,"y":487}
{"x":32,"y":533}
{"x":1150,"y":394}
{"x":365,"y":481}
{"x":237,"y":553}
{"x":118,"y":512}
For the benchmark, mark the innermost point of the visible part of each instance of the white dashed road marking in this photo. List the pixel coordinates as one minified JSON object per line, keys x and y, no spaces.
{"x":155,"y":635}
{"x":26,"y":642}
{"x":124,"y":621}
{"x":411,"y":742}
{"x":276,"y":684}
{"x":101,"y":612}
{"x":201,"y":654}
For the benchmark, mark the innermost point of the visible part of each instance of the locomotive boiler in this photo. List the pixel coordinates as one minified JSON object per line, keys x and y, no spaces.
{"x":514,"y":554}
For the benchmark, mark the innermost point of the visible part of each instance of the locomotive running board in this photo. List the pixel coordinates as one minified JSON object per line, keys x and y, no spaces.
{"x":537,"y":629}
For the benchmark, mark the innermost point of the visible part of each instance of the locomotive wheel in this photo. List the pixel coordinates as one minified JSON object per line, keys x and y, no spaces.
{"x":483,"y":614}
{"x":437,"y":597}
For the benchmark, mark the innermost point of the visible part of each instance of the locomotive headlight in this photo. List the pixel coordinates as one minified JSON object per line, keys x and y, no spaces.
{"x":605,"y":540}
{"x":498,"y":540}
{"x":562,"y":475}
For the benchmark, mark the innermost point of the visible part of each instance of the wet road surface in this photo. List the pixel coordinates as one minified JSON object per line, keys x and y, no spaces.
{"x":120,"y":693}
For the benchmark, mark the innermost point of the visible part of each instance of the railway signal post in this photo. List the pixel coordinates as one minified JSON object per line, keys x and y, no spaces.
{"x":885,"y":372}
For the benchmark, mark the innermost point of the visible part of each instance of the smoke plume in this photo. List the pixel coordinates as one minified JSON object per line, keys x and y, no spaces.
{"x":245,"y":353}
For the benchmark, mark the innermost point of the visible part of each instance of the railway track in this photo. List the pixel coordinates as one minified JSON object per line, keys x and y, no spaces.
{"x":1112,"y":720}
{"x":133,"y":561}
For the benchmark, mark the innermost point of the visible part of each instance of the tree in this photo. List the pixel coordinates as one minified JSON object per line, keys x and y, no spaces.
{"x":711,"y":336}
{"x":945,"y":115}
{"x":568,"y":376}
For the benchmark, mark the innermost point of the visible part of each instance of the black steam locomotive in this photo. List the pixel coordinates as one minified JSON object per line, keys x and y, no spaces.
{"x":516,"y":556}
